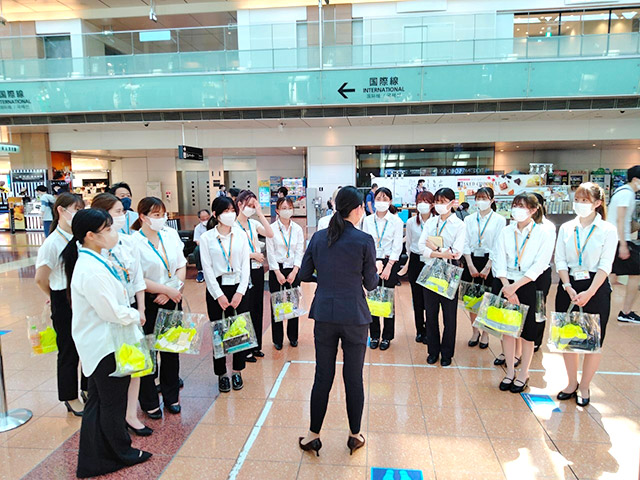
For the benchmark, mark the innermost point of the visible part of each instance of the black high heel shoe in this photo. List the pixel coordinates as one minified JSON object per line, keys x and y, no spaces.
{"x":313,"y":446}
{"x":354,"y":443}
{"x":77,"y":413}
{"x":155,"y":414}
{"x":519,"y":388}
{"x":567,"y":396}
{"x":474,"y":343}
{"x":140,"y":432}
{"x":500,"y":361}
{"x":582,"y":401}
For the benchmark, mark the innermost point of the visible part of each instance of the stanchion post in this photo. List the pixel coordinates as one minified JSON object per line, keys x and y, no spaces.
{"x":9,"y":419}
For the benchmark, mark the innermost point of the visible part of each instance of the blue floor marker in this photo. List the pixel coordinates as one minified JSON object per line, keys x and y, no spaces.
{"x":540,"y":402}
{"x":395,"y":474}
{"x":4,"y":332}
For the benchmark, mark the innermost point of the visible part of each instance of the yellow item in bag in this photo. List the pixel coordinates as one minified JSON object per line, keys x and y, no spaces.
{"x":176,"y":339}
{"x":379,"y":309}
{"x":470,"y":301}
{"x":504,"y":316}
{"x":237,"y":328}
{"x":283,"y":309}
{"x":130,"y":358}
{"x":44,"y":341}
{"x":437,"y":284}
{"x":146,"y":372}
{"x":562,"y":336}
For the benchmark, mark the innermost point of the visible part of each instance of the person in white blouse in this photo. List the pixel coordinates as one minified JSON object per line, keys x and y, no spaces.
{"x":51,"y":279}
{"x":248,"y":207}
{"x":227,"y":272}
{"x":443,"y":237}
{"x":123,"y":192}
{"x":585,"y":251}
{"x":164,"y":268}
{"x":386,"y":228}
{"x":482,"y":229}
{"x":415,"y":226}
{"x":125,"y":257}
{"x":521,"y":255}
{"x":100,"y":302}
{"x":284,"y":254}
{"x":203,"y":215}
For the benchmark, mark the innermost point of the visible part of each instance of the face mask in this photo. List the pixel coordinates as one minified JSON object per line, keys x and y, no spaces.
{"x":443,"y":208}
{"x":286,"y":213}
{"x":382,"y":206}
{"x":126,"y":203}
{"x":157,"y":224}
{"x":204,"y":223}
{"x":483,"y":205}
{"x":227,"y":218}
{"x":424,"y":208}
{"x":70,"y":219}
{"x":519,"y":214}
{"x":119,"y":223}
{"x":583,"y":210}
{"x":110,"y":238}
{"x":249,"y":212}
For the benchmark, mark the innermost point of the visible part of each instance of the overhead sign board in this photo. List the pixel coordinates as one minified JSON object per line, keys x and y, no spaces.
{"x":190,"y":153}
{"x":7,"y":147}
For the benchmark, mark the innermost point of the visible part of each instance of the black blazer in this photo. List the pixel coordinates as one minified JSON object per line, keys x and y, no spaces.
{"x":342,"y":270}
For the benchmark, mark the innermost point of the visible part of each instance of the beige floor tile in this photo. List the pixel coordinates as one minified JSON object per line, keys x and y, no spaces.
{"x":513,"y":425}
{"x":575,"y":427}
{"x":393,"y":393}
{"x":44,"y":432}
{"x":17,"y":462}
{"x":457,"y":422}
{"x":323,"y":472}
{"x":40,"y":403}
{"x":394,"y":450}
{"x":595,"y":460}
{"x":277,"y":444}
{"x":445,"y":394}
{"x":457,"y":475}
{"x":189,"y":468}
{"x":289,"y":413}
{"x":229,"y":411}
{"x":334,"y":451}
{"x":391,"y":374}
{"x":491,"y":398}
{"x":216,"y":441}
{"x":528,"y":458}
{"x":464,"y":454}
{"x":253,"y":470}
{"x":258,"y":388}
{"x":396,"y":419}
{"x":28,"y":380}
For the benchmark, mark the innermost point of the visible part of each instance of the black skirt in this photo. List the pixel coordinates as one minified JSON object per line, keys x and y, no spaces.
{"x":479,"y":263}
{"x":527,"y":296}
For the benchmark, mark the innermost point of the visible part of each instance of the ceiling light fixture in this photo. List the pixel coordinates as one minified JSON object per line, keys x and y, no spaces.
{"x":593,"y":145}
{"x":293,"y":148}
{"x":152,"y":11}
{"x":330,"y":127}
{"x":517,"y":146}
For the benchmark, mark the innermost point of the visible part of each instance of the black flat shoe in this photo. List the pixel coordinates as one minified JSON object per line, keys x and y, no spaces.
{"x":85,"y":396}
{"x":180,"y":383}
{"x":385,"y":344}
{"x":499,"y":361}
{"x":505,"y":384}
{"x":278,"y":346}
{"x":140,"y":432}
{"x":536,"y":348}
{"x":484,"y":346}
{"x":431,"y":359}
{"x":519,"y":388}
{"x":445,"y":362}
{"x":373,"y":343}
{"x":294,"y":344}
{"x":77,"y":413}
{"x":518,"y":362}
{"x":258,"y":354}
{"x":567,"y":396}
{"x":251,"y":359}
{"x":418,"y":340}
{"x":424,"y":339}
{"x":236,"y":381}
{"x":224,"y":384}
{"x":313,"y":446}
{"x":582,"y":401}
{"x":354,"y":443}
{"x":144,"y":456}
{"x":156,"y":415}
{"x":474,"y":343}
{"x":174,"y":409}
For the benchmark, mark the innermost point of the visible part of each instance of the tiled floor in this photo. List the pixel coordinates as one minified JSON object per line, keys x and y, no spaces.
{"x":449,"y":423}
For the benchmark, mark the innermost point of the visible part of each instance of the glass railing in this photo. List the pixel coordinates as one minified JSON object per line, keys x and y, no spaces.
{"x":169,"y":62}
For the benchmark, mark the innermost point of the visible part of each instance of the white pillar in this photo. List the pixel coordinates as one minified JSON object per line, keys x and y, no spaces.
{"x":331,"y":167}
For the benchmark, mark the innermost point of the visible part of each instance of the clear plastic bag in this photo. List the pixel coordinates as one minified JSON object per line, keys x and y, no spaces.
{"x":441,"y":277}
{"x":131,"y":350}
{"x":233,"y":334}
{"x":179,"y":332}
{"x":287,"y":304}
{"x":471,"y":295}
{"x":541,"y":307}
{"x":153,"y":358}
{"x":575,"y":332}
{"x":499,"y":317}
{"x":41,"y":334}
{"x":381,"y":302}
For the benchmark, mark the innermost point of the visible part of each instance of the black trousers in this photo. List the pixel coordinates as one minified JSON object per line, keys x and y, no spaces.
{"x":197,"y":258}
{"x":168,"y":368}
{"x":354,"y":347}
{"x":214,"y":310}
{"x":389,"y":331}
{"x":543,"y":284}
{"x":419,"y":312}
{"x":433,"y":302}
{"x":256,"y":303}
{"x":105,"y":445}
{"x":277,"y":328}
{"x":68,"y":359}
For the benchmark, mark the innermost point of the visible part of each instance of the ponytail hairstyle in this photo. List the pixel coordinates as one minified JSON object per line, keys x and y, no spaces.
{"x":593,"y":192}
{"x":487,"y":192}
{"x":282,"y":200}
{"x":348,"y":199}
{"x":104,"y":201}
{"x":85,"y":221}
{"x":64,"y":200}
{"x":218,"y":207}
{"x":541,"y":202}
{"x":446,"y":194}
{"x":387,"y":193}
{"x":147,"y":206}
{"x":529,"y":200}
{"x":424,"y":197}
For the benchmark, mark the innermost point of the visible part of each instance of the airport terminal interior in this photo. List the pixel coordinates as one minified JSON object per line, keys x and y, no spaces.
{"x":189,"y":101}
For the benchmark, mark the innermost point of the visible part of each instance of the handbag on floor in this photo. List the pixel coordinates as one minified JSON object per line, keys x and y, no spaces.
{"x":287,"y":303}
{"x":499,"y":317}
{"x":381,"y":302}
{"x":441,"y":277}
{"x":574,"y":332}
{"x":178,"y":331}
{"x":41,"y":334}
{"x":471,"y":295}
{"x":131,"y":350}
{"x":233,"y":334}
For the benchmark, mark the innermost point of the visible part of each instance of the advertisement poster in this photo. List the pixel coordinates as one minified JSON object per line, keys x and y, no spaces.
{"x":264,"y":193}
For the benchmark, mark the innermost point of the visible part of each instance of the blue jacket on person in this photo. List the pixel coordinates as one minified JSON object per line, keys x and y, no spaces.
{"x":342,"y":270}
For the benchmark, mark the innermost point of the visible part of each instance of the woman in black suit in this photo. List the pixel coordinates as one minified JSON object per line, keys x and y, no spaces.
{"x":345,"y":261}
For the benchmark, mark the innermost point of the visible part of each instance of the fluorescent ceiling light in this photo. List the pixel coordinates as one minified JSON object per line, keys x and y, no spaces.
{"x":526,"y":20}
{"x":629,"y":15}
{"x":598,"y":16}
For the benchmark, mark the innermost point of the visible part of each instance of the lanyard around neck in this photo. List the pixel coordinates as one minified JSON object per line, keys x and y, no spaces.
{"x":165,"y":259}
{"x":440,"y":229}
{"x":227,"y":256}
{"x":576,"y":238}
{"x":62,"y":235}
{"x":121,"y":266}
{"x":286,"y":244}
{"x":380,"y":237}
{"x":481,"y":233}
{"x":249,"y":234}
{"x":520,"y":252}
{"x":112,"y":270}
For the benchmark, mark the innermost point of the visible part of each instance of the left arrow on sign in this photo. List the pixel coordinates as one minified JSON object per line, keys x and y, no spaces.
{"x":343,"y":90}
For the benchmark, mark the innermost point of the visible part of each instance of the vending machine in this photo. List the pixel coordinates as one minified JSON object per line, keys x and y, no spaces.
{"x":603,"y":178}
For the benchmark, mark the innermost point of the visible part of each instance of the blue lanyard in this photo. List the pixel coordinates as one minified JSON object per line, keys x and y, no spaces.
{"x":578,"y":249}
{"x":62,"y":235}
{"x":126,"y":272}
{"x":249,"y":236}
{"x":481,"y":233}
{"x":227,"y":258}
{"x":165,"y":262}
{"x":439,"y":233}
{"x":375,"y":222}
{"x":112,"y":270}
{"x":520,"y":252}
{"x":288,"y":245}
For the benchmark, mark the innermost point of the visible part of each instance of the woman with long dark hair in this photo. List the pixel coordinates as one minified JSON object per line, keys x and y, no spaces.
{"x":226,"y":265}
{"x":51,"y":279}
{"x":345,"y":261}
{"x":100,"y":301}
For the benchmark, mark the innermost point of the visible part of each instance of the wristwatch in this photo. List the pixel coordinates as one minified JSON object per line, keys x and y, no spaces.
{"x":565,"y":286}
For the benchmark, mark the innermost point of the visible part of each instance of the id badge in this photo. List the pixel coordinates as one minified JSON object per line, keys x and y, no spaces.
{"x":479,"y":252}
{"x":581,"y":274}
{"x":255,"y":265}
{"x":175,"y":282}
{"x":229,"y":279}
{"x":288,"y":262}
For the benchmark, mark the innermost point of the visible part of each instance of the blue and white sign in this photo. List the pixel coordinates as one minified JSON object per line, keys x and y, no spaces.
{"x":395,"y":474}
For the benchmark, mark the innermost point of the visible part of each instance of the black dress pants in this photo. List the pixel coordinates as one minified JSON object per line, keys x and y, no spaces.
{"x":168,"y":368}
{"x":68,"y":359}
{"x":433,"y":302}
{"x":256,"y":303}
{"x":543,"y":284}
{"x":419,"y":312}
{"x":389,"y":331}
{"x":214,"y":310}
{"x":277,"y":328}
{"x":354,"y":346}
{"x":105,"y":444}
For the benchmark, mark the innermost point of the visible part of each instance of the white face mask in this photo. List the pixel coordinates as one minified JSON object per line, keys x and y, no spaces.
{"x":483,"y":205}
{"x":110,"y":238}
{"x":443,"y":208}
{"x":204,"y":223}
{"x":583,"y":210}
{"x":286,"y":213}
{"x":227,"y":218}
{"x":382,"y":206}
{"x":520,"y":214}
{"x":423,"y":208}
{"x":71,"y":215}
{"x":119,"y":223}
{"x":157,"y":224}
{"x":249,"y":212}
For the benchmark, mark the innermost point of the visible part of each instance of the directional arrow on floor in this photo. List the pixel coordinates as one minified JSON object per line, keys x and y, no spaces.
{"x":343,"y":90}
